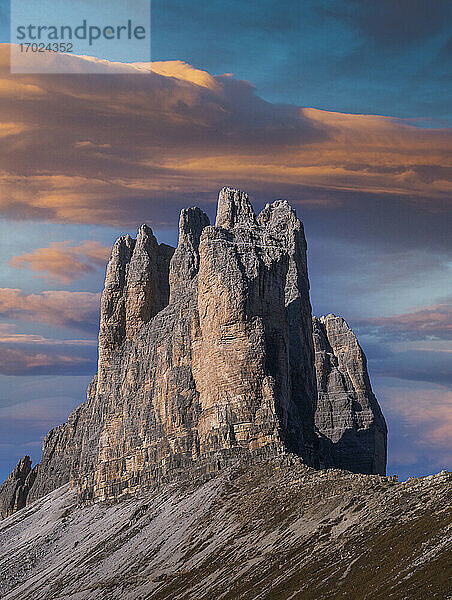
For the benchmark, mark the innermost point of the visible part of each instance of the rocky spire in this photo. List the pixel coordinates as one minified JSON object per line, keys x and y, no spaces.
{"x":234,"y":209}
{"x":14,"y":491}
{"x":349,"y":420}
{"x":147,"y":281}
{"x":240,"y":352}
{"x":185,"y":262}
{"x":136,"y":287}
{"x":112,"y":323}
{"x":281,"y":221}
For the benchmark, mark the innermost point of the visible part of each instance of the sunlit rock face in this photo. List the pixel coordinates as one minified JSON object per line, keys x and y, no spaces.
{"x":250,"y":345}
{"x":206,"y":357}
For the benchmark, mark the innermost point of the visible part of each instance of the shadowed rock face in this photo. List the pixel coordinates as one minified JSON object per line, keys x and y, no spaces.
{"x":349,"y":420}
{"x":206,"y":356}
{"x":14,"y":491}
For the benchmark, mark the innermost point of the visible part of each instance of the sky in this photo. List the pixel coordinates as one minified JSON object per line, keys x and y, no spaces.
{"x":343,"y":108}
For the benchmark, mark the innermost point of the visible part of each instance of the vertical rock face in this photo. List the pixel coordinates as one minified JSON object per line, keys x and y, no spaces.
{"x":136,"y":288}
{"x":185,"y":262}
{"x":244,"y":349}
{"x":206,"y":355}
{"x":349,"y":420}
{"x":282,"y":221}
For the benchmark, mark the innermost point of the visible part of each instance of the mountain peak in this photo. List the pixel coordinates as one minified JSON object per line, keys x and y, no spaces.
{"x":234,"y":209}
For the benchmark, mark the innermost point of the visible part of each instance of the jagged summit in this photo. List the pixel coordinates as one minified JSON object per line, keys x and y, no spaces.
{"x":207,"y":356}
{"x":234,"y":209}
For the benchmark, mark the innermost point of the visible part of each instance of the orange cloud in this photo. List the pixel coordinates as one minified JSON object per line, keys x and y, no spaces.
{"x":76,"y":310}
{"x":62,"y":261}
{"x":85,"y":151}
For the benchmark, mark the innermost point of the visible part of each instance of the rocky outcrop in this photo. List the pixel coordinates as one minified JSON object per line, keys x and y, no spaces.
{"x":14,"y":491}
{"x":348,"y":418}
{"x":206,"y":357}
{"x":136,"y":289}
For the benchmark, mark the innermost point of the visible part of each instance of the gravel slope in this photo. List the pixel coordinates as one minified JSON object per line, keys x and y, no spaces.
{"x":274,"y":531}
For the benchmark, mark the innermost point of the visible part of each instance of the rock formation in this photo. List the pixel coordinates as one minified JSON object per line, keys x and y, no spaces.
{"x":14,"y":491}
{"x":206,"y":356}
{"x":348,"y":418}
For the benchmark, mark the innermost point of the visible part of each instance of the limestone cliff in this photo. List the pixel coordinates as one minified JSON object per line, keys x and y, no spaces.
{"x":206,"y":356}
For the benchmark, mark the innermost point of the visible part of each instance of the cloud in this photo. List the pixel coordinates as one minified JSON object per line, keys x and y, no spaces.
{"x":28,"y":362}
{"x":427,"y":365}
{"x":63,"y":261}
{"x":31,"y":354}
{"x":34,"y":354}
{"x":430,"y":322}
{"x":157,"y":139}
{"x":76,"y":310}
{"x":410,"y":347}
{"x":52,"y":410}
{"x":8,"y":335}
{"x":394,"y":24}
{"x":24,"y":424}
{"x":420,"y":427}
